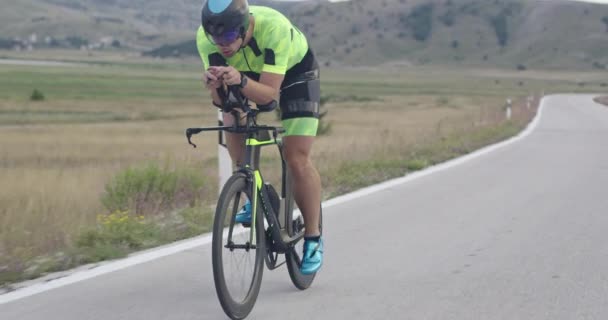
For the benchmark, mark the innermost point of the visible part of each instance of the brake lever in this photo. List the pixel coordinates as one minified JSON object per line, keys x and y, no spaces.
{"x":189,"y":133}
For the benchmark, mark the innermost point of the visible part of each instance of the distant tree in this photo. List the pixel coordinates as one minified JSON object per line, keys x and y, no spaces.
{"x":499,"y":23}
{"x":420,"y":20}
{"x":374,"y":25}
{"x":447,"y":18}
{"x":76,"y":41}
{"x":605,"y":21}
{"x":314,"y":11}
{"x":183,"y":48}
{"x":455,"y":44}
{"x":7,"y":43}
{"x":521,"y":67}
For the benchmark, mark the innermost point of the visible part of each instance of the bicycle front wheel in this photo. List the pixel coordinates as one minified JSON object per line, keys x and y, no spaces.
{"x":237,"y":251}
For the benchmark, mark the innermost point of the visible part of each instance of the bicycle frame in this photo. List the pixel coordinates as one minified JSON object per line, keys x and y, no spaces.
{"x":257,"y":137}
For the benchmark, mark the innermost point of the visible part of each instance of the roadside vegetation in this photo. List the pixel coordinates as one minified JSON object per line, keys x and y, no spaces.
{"x":94,"y":164}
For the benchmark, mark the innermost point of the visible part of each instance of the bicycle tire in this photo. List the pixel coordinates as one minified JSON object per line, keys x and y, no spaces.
{"x":292,"y":256}
{"x":228,"y":204}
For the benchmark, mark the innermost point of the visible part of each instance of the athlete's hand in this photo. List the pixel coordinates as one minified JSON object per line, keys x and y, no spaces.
{"x":212,"y":79}
{"x":230,"y":75}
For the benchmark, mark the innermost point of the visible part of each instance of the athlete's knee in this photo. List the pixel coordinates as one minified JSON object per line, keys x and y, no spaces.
{"x":298,"y":162}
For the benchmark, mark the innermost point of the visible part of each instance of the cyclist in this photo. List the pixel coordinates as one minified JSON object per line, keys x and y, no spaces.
{"x":258,"y":49}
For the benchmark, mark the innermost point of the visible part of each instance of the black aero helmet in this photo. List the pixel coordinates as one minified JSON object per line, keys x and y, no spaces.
{"x":220,"y":16}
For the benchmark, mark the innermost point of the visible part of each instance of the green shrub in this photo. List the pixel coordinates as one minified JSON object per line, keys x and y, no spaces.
{"x":117,"y":234}
{"x":193,"y":221}
{"x":324,"y":126}
{"x":442,"y":101}
{"x":150,"y":190}
{"x":416,"y":164}
{"x":37,"y":95}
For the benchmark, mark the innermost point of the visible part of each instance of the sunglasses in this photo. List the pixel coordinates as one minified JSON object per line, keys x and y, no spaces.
{"x":226,"y":38}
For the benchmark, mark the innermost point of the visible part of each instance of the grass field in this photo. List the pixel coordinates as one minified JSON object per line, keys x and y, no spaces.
{"x":65,"y":158}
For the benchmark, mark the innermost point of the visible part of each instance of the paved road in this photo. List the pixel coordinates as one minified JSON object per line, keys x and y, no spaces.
{"x":518,"y":233}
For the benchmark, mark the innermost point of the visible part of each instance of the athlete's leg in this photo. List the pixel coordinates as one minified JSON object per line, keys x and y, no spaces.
{"x":234,"y":141}
{"x":306,"y":181}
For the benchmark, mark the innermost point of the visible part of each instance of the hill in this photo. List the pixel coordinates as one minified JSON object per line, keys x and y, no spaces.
{"x":499,"y":33}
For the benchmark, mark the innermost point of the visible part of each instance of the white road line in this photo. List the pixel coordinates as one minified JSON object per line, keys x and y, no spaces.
{"x":188,"y":244}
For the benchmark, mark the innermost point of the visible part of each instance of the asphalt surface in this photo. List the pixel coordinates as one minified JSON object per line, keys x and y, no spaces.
{"x":517,"y":233}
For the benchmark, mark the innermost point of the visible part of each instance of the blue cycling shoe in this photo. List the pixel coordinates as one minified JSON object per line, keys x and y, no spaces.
{"x":244,"y":216}
{"x":312,"y":258}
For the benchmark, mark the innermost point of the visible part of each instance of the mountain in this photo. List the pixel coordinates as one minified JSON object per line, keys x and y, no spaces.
{"x":504,"y":33}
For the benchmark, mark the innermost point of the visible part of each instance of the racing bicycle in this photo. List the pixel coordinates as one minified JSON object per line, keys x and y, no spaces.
{"x":240,"y":251}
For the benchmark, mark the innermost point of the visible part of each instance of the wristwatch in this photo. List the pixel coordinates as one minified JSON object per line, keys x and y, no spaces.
{"x":243,"y":81}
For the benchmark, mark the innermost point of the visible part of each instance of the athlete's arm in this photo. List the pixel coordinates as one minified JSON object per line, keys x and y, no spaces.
{"x":266,"y":90}
{"x":262,"y":92}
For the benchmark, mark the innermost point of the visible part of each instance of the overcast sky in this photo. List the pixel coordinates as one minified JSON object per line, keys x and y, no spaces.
{"x":594,"y":1}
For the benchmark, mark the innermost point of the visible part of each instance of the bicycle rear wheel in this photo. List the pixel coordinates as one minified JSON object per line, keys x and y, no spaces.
{"x":293,"y":257}
{"x":237,"y":254}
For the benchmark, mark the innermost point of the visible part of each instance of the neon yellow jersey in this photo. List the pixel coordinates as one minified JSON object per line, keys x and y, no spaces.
{"x":276,"y":46}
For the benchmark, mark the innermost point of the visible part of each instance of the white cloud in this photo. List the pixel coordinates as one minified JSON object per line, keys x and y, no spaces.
{"x":594,"y":1}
